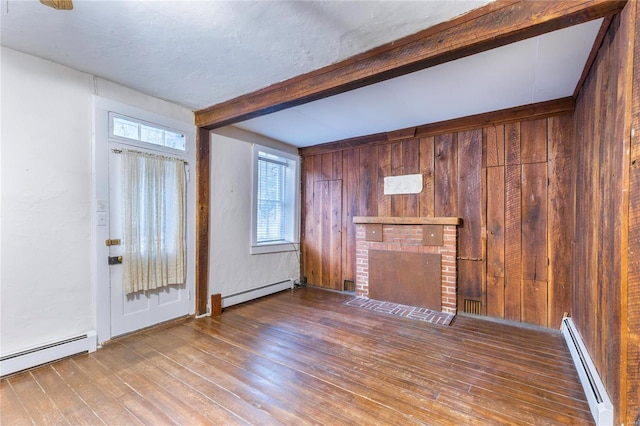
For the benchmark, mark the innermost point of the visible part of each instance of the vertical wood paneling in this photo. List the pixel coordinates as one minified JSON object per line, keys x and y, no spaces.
{"x":633,"y":285}
{"x":560,"y":149}
{"x":328,"y":207}
{"x":335,"y":231}
{"x":410,"y":165}
{"x":512,"y":143}
{"x":533,"y":141}
{"x":602,"y":222}
{"x":396,"y":170}
{"x":495,"y":297}
{"x":336,"y":164}
{"x":368,"y":197}
{"x":504,"y":240}
{"x":446,"y":166}
{"x":534,"y":302}
{"x":427,"y":196}
{"x":469,"y":193}
{"x":314,"y":268}
{"x":384,"y":170}
{"x":534,"y":222}
{"x":308,"y":250}
{"x":494,"y":152}
{"x":495,"y":221}
{"x":351,"y":162}
{"x":326,"y":166}
{"x":513,"y":243}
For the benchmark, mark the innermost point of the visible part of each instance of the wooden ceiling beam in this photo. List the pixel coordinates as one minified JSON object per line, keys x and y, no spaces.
{"x":494,"y":25}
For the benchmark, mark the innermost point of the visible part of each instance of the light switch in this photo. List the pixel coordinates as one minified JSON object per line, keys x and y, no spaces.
{"x":102,"y":219}
{"x":101,"y":205}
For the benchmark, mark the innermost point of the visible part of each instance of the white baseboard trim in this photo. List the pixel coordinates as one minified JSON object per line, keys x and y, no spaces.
{"x":599,"y":401}
{"x":245,"y":296}
{"x":23,"y":360}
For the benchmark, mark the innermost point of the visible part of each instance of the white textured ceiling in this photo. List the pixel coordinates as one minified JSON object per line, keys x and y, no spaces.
{"x":200,"y":53}
{"x":539,"y":69}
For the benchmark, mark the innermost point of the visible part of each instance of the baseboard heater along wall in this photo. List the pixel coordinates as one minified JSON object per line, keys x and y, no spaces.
{"x":254,"y":293}
{"x":49,"y":352}
{"x":599,"y":402}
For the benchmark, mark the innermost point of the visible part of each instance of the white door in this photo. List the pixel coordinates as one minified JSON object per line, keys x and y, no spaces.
{"x":144,"y":308}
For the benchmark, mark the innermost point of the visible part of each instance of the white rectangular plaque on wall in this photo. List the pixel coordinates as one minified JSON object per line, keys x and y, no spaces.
{"x":406,"y":184}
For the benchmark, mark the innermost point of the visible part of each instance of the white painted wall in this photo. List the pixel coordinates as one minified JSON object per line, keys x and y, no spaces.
{"x":46,"y":290}
{"x":232,"y":268}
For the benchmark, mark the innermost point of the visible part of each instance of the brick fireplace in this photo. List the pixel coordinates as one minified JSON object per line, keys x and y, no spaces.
{"x":410,"y":259}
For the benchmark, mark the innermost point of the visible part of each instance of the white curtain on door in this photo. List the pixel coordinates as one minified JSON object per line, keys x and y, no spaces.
{"x":154,"y":221}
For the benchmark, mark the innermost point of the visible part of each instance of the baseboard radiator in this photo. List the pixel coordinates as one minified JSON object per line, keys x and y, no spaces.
{"x":43,"y":354}
{"x":254,"y":293}
{"x":599,"y":402}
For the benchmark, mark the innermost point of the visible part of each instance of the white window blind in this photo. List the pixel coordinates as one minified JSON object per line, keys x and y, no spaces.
{"x":271,"y":208}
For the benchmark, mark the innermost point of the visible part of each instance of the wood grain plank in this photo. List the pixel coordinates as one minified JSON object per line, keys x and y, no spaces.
{"x":323,"y":197}
{"x":396,"y":170}
{"x":42,"y":409}
{"x":368,"y":190}
{"x":410,"y":165}
{"x":307,"y":250}
{"x":103,"y":401}
{"x":512,"y":144}
{"x":427,"y":158}
{"x":350,"y":196}
{"x":495,"y":221}
{"x":633,"y":285}
{"x":384,"y":170}
{"x":470,"y":201}
{"x":534,"y":302}
{"x":408,"y":220}
{"x":335,"y":230}
{"x":446,"y":175}
{"x":560,"y":221}
{"x":534,"y":222}
{"x":533,"y":141}
{"x":513,"y":243}
{"x":72,"y":407}
{"x":315,"y":251}
{"x":12,"y":411}
{"x":326,"y":171}
{"x":495,"y":296}
{"x":469,"y":192}
{"x":203,"y":182}
{"x":336,"y":163}
{"x":494,"y":155}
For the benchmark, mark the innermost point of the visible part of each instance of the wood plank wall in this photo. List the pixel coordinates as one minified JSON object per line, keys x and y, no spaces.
{"x":507,"y":182}
{"x":633,"y":285}
{"x":605,"y":269}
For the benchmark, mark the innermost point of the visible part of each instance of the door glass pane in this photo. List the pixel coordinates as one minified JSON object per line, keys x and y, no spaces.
{"x":151,"y":135}
{"x":125,"y":128}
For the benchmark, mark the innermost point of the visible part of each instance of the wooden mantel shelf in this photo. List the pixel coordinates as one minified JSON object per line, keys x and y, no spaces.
{"x":408,"y":220}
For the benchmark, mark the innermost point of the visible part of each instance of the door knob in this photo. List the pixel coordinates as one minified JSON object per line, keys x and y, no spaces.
{"x":115,"y":260}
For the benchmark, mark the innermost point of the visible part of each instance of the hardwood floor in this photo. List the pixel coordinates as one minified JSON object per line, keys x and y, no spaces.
{"x":303,"y":357}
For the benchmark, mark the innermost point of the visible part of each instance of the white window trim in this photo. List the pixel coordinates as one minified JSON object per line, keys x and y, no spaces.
{"x":189,"y":138}
{"x":289,"y":244}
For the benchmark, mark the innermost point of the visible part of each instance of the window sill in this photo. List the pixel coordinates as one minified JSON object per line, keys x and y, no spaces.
{"x":276,"y":247}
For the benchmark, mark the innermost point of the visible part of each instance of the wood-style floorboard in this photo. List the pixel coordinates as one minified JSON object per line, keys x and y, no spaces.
{"x":304,"y":357}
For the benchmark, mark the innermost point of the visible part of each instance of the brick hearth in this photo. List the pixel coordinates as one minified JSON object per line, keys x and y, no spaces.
{"x":407,"y":237}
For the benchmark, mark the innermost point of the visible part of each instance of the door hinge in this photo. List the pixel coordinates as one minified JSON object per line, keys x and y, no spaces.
{"x":114,"y":242}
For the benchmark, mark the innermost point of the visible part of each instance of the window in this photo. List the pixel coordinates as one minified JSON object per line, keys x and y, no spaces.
{"x":275,"y":199}
{"x":140,"y":131}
